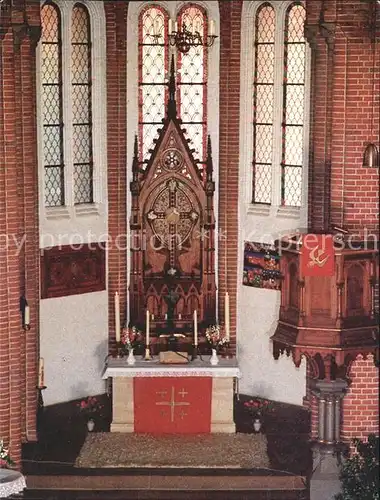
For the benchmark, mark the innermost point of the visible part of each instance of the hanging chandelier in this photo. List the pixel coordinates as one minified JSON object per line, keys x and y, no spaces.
{"x":183,"y":38}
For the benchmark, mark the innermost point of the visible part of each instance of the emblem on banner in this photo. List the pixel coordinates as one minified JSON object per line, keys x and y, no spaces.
{"x":317,"y":255}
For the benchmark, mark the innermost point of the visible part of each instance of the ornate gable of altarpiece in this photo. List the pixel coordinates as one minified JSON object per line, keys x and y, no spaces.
{"x":172,"y":232}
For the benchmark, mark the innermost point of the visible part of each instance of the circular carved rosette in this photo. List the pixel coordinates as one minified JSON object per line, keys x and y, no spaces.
{"x":171,"y":160}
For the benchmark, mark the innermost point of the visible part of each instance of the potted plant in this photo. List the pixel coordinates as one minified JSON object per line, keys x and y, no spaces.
{"x":91,"y":409}
{"x":216,"y":341}
{"x":257,"y":407}
{"x":130,"y":338}
{"x":359,"y":474}
{"x":5,"y":459}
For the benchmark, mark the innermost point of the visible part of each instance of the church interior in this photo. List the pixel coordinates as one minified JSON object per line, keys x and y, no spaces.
{"x":189,"y":196}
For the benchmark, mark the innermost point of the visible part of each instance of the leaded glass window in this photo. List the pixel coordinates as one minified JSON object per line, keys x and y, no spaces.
{"x":81,"y":105}
{"x":191,"y":71}
{"x":278,"y":104}
{"x":52,"y":124}
{"x":192,"y":82}
{"x":293,"y":106}
{"x":153,"y":68}
{"x":263,"y":96}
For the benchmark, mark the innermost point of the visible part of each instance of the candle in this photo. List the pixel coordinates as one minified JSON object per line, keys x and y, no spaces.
{"x":195,"y":327}
{"x":176,"y":27}
{"x":41,"y":373}
{"x":227,"y":315}
{"x":170,"y":26}
{"x":117,"y":317}
{"x":147,"y":328}
{"x":180,"y":316}
{"x":27,"y":316}
{"x":211,"y":28}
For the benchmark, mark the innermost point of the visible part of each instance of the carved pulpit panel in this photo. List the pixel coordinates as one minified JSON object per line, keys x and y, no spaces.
{"x":172,"y":271}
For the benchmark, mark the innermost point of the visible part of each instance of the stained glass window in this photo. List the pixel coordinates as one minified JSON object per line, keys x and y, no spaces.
{"x":191,"y":78}
{"x":192,"y":82}
{"x":153,"y":68}
{"x":51,"y":79}
{"x":263,"y":95}
{"x":278,"y":131}
{"x":293,"y":106}
{"x":81,"y":105}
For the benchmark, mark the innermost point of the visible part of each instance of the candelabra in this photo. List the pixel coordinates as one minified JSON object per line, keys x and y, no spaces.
{"x":183,"y":38}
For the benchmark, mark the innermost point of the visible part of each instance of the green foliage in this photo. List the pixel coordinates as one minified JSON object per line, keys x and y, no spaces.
{"x":360,"y":473}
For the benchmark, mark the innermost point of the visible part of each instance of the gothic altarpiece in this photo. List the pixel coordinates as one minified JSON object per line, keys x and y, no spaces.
{"x":172,"y":232}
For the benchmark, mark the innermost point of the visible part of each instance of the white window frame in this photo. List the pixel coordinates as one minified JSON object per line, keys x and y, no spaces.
{"x":249,"y":12}
{"x":99,"y":124}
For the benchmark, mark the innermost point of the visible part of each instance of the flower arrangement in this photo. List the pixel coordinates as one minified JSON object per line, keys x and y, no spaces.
{"x":258,"y":406}
{"x":90,"y":407}
{"x":130,"y":338}
{"x":214,"y":337}
{"x":5,"y":459}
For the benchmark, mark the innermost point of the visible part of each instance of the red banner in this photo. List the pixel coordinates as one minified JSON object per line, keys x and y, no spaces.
{"x":167,"y":405}
{"x":317,"y":255}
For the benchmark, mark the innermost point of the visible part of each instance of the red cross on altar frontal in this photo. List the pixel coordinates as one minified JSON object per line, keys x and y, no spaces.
{"x":165,"y":405}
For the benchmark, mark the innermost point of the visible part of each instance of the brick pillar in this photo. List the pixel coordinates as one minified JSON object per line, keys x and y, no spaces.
{"x":10,"y":319}
{"x":230,"y":32}
{"x":18,"y":226}
{"x":116,"y":19}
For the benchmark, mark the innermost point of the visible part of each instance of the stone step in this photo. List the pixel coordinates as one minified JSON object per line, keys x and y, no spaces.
{"x":166,"y":487}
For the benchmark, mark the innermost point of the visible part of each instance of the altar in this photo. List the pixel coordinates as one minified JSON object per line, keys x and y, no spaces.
{"x":150,"y":397}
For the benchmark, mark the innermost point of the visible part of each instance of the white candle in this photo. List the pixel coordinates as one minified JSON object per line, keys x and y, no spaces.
{"x":27,"y":316}
{"x":117,"y":317}
{"x":147,"y":328}
{"x":227,"y":315}
{"x":180,"y":316}
{"x":170,"y":26}
{"x":176,"y":27}
{"x":211,"y":28}
{"x":195,"y":327}
{"x":41,"y":372}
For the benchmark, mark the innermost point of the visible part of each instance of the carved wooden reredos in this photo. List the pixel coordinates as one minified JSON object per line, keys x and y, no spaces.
{"x":172,"y":231}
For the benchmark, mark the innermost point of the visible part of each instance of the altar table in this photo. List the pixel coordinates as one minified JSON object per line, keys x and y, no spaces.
{"x":150,"y":397}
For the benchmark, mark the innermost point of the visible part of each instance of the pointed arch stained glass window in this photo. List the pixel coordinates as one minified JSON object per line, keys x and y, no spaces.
{"x":293,"y":106}
{"x":263,"y":96}
{"x":81,"y":105}
{"x":191,"y":79}
{"x":52,"y":122}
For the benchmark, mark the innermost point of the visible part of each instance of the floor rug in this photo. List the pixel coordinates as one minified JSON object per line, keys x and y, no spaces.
{"x":124,"y":450}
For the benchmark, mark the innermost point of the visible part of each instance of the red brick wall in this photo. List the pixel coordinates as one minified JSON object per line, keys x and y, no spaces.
{"x":18,"y":220}
{"x":230,"y":28}
{"x":355,"y":120}
{"x":116,"y":13}
{"x":360,"y":415}
{"x":345,"y":116}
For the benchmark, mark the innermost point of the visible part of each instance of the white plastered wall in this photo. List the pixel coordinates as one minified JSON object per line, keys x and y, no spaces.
{"x":258,"y":309}
{"x":74,"y":329}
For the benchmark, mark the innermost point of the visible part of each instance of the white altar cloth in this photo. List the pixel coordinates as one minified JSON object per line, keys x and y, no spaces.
{"x":11,"y":482}
{"x":118,"y":367}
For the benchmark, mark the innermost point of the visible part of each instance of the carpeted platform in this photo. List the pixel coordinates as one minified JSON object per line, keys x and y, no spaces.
{"x":124,"y":450}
